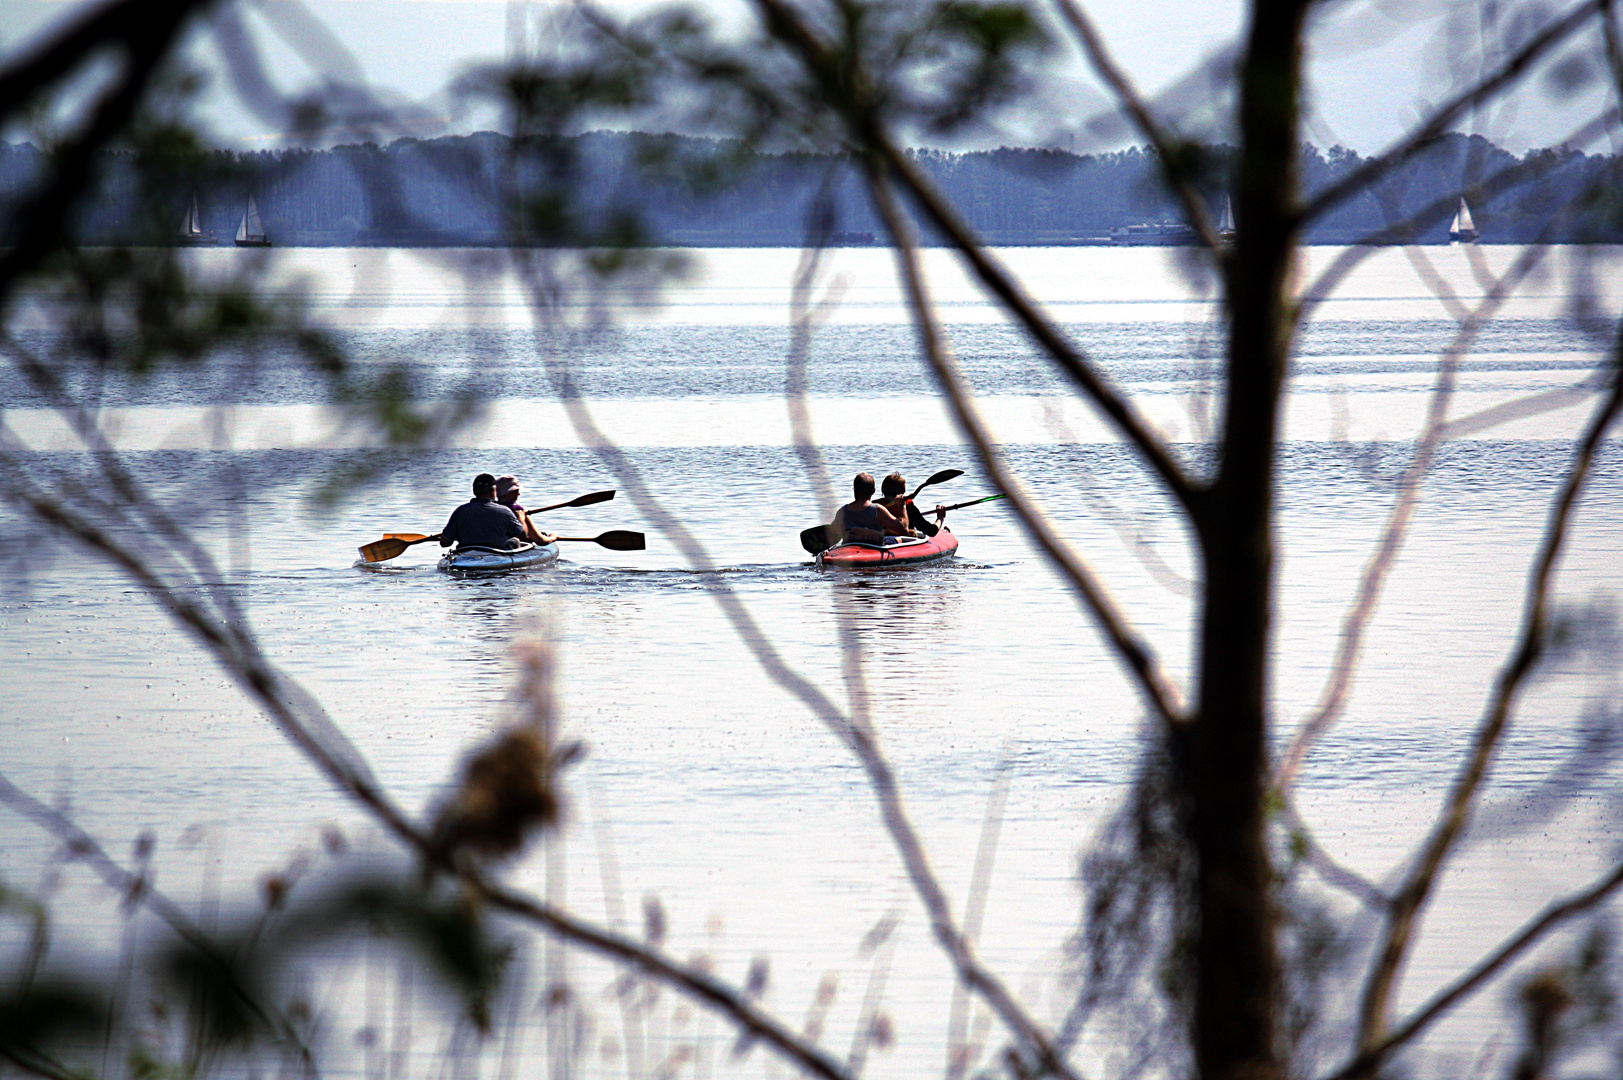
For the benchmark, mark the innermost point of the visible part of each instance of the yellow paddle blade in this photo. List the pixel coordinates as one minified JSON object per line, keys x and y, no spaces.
{"x":387,"y":548}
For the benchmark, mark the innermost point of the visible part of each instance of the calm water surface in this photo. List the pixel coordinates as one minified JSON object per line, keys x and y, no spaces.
{"x":706,"y":784}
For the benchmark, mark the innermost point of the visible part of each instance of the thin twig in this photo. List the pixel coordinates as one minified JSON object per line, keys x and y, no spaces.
{"x":974,"y":912}
{"x":804,"y":317}
{"x":1411,"y":897}
{"x":1405,"y":230}
{"x":697,"y":984}
{"x":1442,"y":119}
{"x":1333,"y":698}
{"x":1159,"y":693}
{"x":782,"y":20}
{"x":1325,"y":865}
{"x":858,"y":737}
{"x":1093,"y":45}
{"x":238,"y":655}
{"x":38,"y":1064}
{"x":1372,"y":1058}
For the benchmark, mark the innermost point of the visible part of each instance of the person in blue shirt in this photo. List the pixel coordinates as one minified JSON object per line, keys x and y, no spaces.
{"x":482,"y":521}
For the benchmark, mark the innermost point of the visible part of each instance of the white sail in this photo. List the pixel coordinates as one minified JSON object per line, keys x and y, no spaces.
{"x":1463,"y":230}
{"x":1462,"y":220}
{"x":251,"y":233}
{"x":192,"y":225}
{"x":1227,"y":224}
{"x":251,"y":228}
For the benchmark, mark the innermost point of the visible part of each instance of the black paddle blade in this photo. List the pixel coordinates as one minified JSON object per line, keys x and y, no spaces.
{"x":623,"y":540}
{"x":939,"y":478}
{"x":818,"y":539}
{"x":594,"y":497}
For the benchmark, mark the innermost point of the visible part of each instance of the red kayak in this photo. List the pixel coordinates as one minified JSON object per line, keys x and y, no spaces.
{"x":905,"y":551}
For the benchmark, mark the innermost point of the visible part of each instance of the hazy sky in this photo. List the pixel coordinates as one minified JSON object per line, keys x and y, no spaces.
{"x":1377,"y":65}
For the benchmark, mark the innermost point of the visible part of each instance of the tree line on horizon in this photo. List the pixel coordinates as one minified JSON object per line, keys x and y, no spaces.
{"x":698,"y":192}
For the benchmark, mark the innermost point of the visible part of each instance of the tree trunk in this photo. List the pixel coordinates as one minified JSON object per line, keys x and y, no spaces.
{"x":1225,"y":760}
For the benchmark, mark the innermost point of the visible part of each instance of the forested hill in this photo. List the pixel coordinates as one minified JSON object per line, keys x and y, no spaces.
{"x":443,"y":192}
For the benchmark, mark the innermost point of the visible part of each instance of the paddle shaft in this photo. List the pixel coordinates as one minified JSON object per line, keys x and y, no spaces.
{"x":394,"y":544}
{"x":972,"y":502}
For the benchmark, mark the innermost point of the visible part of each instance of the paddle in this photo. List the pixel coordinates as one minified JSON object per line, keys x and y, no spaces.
{"x":820,"y":538}
{"x":584,"y":500}
{"x":614,"y":540}
{"x":392,"y":545}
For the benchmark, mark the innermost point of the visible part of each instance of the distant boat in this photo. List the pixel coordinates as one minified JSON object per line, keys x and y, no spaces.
{"x":1463,"y":229}
{"x":1225,"y":227}
{"x":1160,"y":234}
{"x":191,"y":230}
{"x":251,"y":233}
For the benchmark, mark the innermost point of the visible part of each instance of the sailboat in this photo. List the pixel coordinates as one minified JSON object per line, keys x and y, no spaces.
{"x":1463,"y":229}
{"x":251,"y":233}
{"x":1225,"y":227}
{"x":191,"y":230}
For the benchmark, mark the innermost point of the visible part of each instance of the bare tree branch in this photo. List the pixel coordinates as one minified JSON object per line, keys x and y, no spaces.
{"x":1404,"y":231}
{"x":1411,"y":897}
{"x":1349,"y":643}
{"x":697,"y":984}
{"x":855,"y":734}
{"x":147,"y":31}
{"x":1372,"y":1058}
{"x":293,"y":711}
{"x":1159,"y":694}
{"x":781,"y":19}
{"x":1093,"y":45}
{"x":1324,"y":864}
{"x":37,"y":1065}
{"x":1438,"y":123}
{"x":804,"y":317}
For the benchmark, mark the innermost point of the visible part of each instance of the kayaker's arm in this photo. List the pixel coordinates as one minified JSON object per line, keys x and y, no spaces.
{"x":915,"y":518}
{"x":531,"y":533}
{"x":890,"y":523}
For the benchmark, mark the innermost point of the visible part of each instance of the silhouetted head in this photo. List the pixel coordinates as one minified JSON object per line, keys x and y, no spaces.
{"x":893,"y":486}
{"x":484,"y":486}
{"x":862,"y":486}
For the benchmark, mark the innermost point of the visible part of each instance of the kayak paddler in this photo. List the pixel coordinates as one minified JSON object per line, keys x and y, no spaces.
{"x":864,"y":522}
{"x":482,"y":521}
{"x":507,"y":493}
{"x":894,"y":490}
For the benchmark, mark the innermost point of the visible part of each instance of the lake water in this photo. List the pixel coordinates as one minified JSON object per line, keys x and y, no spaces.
{"x":707,"y":785}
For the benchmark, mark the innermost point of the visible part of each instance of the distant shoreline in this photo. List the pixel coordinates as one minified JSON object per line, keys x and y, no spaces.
{"x":450,"y":192}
